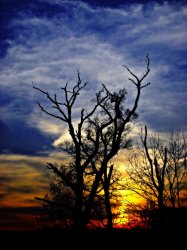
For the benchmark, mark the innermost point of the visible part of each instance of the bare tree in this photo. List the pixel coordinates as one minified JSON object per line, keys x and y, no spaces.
{"x":176,"y":174}
{"x":157,"y":173}
{"x":99,"y":135}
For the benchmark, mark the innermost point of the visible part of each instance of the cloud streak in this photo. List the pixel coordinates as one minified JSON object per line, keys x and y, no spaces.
{"x":24,"y":177}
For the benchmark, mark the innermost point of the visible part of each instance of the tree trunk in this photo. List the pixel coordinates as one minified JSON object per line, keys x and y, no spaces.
{"x":78,"y":208}
{"x":108,"y":207}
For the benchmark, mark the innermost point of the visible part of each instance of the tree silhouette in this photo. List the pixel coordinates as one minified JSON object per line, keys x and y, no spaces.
{"x":101,"y":132}
{"x":177,"y":166}
{"x":157,"y":172}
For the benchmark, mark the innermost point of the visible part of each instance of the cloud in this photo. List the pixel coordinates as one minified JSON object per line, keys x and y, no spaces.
{"x":50,"y":45}
{"x":18,"y":137}
{"x":24,"y":177}
{"x":98,"y":41}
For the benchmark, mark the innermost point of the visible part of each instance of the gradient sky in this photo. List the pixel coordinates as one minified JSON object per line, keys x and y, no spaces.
{"x":45,"y":42}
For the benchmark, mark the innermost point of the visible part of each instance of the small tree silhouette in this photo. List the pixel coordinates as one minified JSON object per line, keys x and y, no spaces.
{"x":157,"y":173}
{"x":101,"y":132}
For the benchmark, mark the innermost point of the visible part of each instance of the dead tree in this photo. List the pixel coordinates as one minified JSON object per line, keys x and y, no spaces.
{"x":157,"y":172}
{"x":176,"y":171}
{"x":100,"y":132}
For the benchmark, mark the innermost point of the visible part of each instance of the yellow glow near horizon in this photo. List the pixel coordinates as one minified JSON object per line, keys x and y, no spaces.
{"x":24,"y":177}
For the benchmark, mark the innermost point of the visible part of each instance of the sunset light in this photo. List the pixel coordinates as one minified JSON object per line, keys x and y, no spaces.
{"x":93,"y":127}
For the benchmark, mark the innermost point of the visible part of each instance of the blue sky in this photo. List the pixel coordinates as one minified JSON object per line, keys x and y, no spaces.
{"x":46,"y":41}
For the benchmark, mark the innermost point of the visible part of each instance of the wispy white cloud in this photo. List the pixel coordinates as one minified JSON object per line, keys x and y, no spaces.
{"x":98,"y":41}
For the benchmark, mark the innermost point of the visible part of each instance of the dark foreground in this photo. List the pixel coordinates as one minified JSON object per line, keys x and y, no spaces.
{"x":136,"y":238}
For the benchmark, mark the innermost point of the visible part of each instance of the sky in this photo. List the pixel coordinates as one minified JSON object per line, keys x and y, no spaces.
{"x":44,"y":42}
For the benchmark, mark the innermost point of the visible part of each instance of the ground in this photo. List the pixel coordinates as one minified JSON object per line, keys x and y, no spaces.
{"x":134,"y":238}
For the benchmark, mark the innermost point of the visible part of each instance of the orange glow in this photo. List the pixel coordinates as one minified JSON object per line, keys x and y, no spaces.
{"x":24,"y":177}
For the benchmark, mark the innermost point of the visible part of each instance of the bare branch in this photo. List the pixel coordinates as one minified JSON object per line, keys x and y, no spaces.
{"x":56,"y":105}
{"x":147,"y":84}
{"x":149,"y":158}
{"x":61,"y":175}
{"x":132,"y":73}
{"x":50,"y":114}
